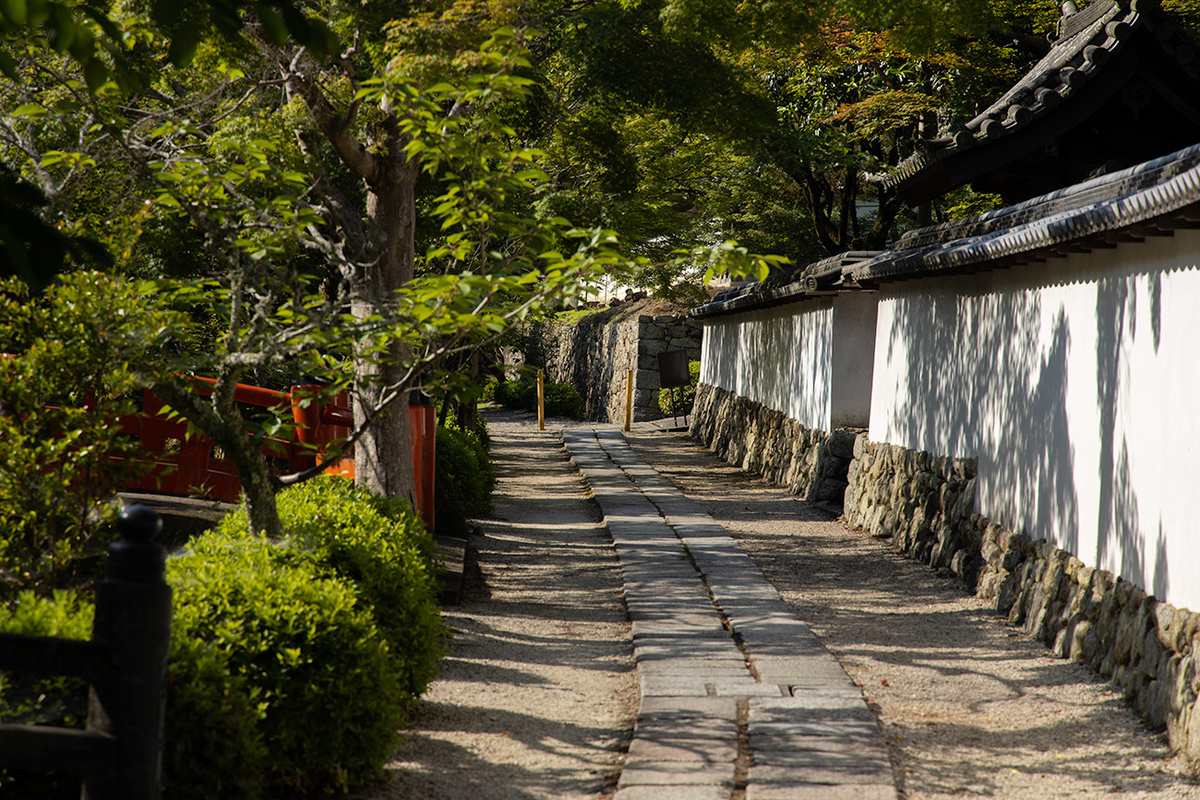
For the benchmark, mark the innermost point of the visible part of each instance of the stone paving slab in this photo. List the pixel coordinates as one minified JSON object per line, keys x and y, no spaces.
{"x":790,"y":725}
{"x":673,"y":793}
{"x":756,"y":791}
{"x":674,"y":773}
{"x":681,"y":748}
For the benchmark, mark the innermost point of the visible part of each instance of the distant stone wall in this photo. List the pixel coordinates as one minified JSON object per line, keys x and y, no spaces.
{"x":1147,"y":648}
{"x":594,"y":354}
{"x":811,"y":463}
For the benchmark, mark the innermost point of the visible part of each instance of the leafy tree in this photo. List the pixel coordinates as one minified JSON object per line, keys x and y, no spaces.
{"x":84,"y":347}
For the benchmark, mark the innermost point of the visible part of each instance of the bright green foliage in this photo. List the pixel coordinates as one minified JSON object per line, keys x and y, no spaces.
{"x":465,"y":479}
{"x":310,"y":654}
{"x":79,"y":349}
{"x":380,"y":547}
{"x":213,"y":746}
{"x":214,"y":743}
{"x":36,"y":700}
{"x":686,"y":394}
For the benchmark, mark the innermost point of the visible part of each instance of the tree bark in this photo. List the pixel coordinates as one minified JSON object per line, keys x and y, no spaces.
{"x":383,"y":456}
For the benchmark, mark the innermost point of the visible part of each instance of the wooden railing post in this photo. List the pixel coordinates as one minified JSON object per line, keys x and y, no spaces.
{"x":133,"y":622}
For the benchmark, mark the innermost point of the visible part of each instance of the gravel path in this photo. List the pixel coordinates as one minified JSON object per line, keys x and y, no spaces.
{"x":538,"y":694}
{"x":970,"y":706}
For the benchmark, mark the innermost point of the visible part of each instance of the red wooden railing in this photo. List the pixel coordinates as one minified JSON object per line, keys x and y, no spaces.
{"x":193,"y":465}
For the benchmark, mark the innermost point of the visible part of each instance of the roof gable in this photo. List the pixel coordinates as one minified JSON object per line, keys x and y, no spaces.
{"x":1119,"y":86}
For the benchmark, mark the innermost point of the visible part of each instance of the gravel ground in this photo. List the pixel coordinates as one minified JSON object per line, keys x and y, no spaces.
{"x":538,"y":693}
{"x":970,"y":706}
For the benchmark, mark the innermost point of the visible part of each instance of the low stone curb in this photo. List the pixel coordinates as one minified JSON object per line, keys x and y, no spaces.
{"x":738,"y":695}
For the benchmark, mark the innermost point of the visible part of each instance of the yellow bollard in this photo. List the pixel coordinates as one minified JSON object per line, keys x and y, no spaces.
{"x":628,"y":398}
{"x":541,"y":401}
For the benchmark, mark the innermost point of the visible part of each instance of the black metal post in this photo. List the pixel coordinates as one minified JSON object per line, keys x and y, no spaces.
{"x":133,"y":622}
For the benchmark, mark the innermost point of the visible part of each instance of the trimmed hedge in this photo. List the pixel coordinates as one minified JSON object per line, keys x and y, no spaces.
{"x":381,"y":547}
{"x":317,"y":667}
{"x":292,"y":662}
{"x":464,"y":480}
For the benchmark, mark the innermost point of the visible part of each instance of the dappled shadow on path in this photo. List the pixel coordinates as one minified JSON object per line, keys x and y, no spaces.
{"x":969,"y":705}
{"x":537,"y":693}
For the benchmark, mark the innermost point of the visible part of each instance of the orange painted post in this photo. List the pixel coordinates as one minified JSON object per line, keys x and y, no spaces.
{"x":422,"y":431}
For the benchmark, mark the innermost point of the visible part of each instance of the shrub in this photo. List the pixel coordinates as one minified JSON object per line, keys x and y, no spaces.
{"x":310,"y":655}
{"x":381,"y":547}
{"x":44,"y":700}
{"x":79,"y":351}
{"x":214,"y":745}
{"x":464,"y":481}
{"x":213,"y":748}
{"x":520,"y":394}
{"x":687,"y":394}
{"x":561,"y":399}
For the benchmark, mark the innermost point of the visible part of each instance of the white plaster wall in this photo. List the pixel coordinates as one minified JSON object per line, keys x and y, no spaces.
{"x":1076,"y":384}
{"x":854,"y":316}
{"x":780,"y":357}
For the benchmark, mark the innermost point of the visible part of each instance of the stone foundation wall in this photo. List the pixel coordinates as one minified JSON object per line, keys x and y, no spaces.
{"x":925,"y":505}
{"x":811,"y":463}
{"x":594,"y":355}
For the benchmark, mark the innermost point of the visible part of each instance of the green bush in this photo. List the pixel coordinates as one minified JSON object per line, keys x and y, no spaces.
{"x":311,"y":656}
{"x":213,"y":747}
{"x":214,"y":744}
{"x":44,"y":700}
{"x":382,"y":548}
{"x":687,"y":394}
{"x":464,"y":481}
{"x":561,"y":399}
{"x":519,"y":394}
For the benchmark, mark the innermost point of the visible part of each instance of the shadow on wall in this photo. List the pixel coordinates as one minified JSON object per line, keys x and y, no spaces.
{"x":779,"y":358}
{"x":1117,"y":517}
{"x":987,"y":375}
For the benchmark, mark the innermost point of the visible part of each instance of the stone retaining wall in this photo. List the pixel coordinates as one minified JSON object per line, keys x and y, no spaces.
{"x":593,"y":355}
{"x":810,"y":462}
{"x":925,"y":505}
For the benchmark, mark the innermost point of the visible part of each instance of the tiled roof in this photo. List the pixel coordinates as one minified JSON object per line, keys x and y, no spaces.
{"x":1159,"y":195}
{"x":813,"y":279}
{"x":1150,"y":199}
{"x":1086,"y":41}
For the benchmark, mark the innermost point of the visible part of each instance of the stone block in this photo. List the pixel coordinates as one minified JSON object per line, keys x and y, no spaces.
{"x":674,"y":773}
{"x":759,"y":791}
{"x":673,"y":793}
{"x":682,"y":748}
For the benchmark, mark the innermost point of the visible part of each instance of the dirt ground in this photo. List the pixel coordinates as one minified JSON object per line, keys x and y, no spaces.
{"x":538,"y":694}
{"x":970,"y":706}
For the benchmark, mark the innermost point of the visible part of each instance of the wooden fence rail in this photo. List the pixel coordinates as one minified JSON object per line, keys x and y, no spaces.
{"x":119,"y":755}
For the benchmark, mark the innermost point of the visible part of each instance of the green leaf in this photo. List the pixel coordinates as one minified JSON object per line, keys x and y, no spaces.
{"x":8,"y":66}
{"x":183,"y":46}
{"x":14,"y":11}
{"x":273,"y":24}
{"x":95,"y":74}
{"x":29,"y":110}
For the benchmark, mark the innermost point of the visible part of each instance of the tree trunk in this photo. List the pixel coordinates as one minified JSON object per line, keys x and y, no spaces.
{"x":383,"y":456}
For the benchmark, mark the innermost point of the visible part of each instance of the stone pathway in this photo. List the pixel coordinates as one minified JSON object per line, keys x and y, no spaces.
{"x":739,"y":699}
